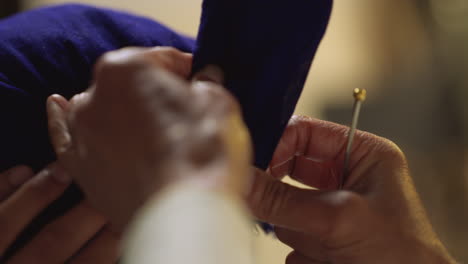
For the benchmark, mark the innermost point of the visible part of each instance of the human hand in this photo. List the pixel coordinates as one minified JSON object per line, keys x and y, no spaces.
{"x":78,"y":236}
{"x":142,"y":126}
{"x":377,"y":218}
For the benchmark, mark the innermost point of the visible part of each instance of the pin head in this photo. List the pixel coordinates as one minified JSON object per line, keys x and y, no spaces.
{"x":360,"y":94}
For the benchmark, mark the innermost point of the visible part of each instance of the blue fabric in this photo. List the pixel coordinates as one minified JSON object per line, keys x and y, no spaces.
{"x":265,"y":48}
{"x":53,"y":50}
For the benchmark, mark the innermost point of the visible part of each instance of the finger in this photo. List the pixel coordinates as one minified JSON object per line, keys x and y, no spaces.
{"x":312,"y":151}
{"x":12,"y":179}
{"x":306,"y":244}
{"x":219,"y":133}
{"x":297,"y":258}
{"x":102,"y":249}
{"x":167,"y":58}
{"x":167,"y":96}
{"x":210,"y":73}
{"x":57,"y":121}
{"x":151,"y":85}
{"x":325,"y":215}
{"x":62,"y":238}
{"x":212,"y":100}
{"x":217,"y":110}
{"x":172,"y":60}
{"x":23,"y":205}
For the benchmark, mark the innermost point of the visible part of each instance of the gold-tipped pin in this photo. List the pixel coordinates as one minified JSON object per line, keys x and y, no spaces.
{"x":359,"y":97}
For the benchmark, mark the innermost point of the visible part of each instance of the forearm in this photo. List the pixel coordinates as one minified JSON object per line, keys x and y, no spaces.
{"x":190,"y":224}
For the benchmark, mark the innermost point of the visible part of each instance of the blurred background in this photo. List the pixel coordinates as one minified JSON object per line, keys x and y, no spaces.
{"x":411,"y":56}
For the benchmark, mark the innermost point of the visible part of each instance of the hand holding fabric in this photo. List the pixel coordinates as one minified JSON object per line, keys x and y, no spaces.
{"x":142,"y":126}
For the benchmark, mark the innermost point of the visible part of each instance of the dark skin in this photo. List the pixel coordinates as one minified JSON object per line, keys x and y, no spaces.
{"x":377,"y":218}
{"x":160,"y":139}
{"x":81,"y":234}
{"x":170,"y":130}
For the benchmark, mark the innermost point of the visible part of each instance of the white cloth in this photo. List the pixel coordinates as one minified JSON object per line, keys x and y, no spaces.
{"x":187,"y":224}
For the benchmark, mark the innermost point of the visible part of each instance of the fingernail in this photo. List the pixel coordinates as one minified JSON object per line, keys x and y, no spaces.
{"x":19,"y":175}
{"x":60,"y":175}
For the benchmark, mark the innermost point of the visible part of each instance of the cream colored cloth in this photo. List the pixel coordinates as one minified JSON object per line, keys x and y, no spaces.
{"x":190,"y":225}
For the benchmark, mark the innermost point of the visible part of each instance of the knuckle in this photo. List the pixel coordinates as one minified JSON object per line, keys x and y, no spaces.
{"x":168,"y":92}
{"x":387,"y":151}
{"x":105,"y":63}
{"x":393,"y":151}
{"x":275,"y":197}
{"x":169,"y":51}
{"x":114,"y":63}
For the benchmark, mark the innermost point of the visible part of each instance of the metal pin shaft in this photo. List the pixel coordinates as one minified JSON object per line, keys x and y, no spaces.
{"x":359,"y":97}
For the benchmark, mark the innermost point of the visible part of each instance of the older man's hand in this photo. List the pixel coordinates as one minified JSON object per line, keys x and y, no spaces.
{"x":142,"y":125}
{"x":377,"y":218}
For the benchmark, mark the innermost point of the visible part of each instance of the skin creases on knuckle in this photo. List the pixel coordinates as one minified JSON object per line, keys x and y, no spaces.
{"x":275,"y":196}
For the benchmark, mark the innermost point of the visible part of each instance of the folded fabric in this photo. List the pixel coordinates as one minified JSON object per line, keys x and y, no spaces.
{"x":265,"y":48}
{"x":53,"y":50}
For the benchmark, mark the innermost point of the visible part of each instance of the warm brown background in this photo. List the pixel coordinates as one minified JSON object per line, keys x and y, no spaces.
{"x":412,"y":57}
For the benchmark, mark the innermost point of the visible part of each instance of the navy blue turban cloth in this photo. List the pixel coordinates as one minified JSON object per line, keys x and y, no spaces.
{"x":264,"y":47}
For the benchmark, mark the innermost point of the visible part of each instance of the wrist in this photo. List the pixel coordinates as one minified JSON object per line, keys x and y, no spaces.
{"x":216,"y":176}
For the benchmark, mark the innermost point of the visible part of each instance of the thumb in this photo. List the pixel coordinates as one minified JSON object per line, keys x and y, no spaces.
{"x":59,"y":133}
{"x":326,"y":215}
